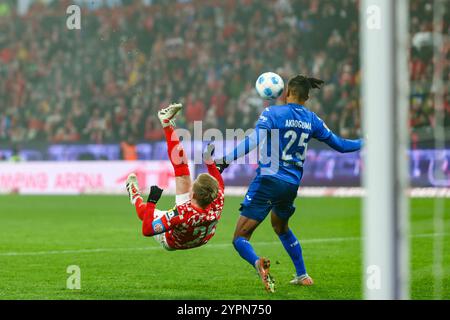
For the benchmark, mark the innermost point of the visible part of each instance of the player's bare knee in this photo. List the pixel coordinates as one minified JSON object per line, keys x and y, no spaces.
{"x":276,"y":229}
{"x":280,"y":229}
{"x":242,"y":233}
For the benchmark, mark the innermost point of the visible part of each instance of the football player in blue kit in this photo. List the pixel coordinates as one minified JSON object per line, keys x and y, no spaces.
{"x":282,"y":134}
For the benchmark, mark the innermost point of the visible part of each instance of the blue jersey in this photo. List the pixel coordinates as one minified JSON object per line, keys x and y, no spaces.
{"x":288,"y":129}
{"x":282,"y":134}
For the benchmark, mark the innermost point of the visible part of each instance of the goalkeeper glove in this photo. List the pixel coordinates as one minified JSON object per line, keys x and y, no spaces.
{"x":155,"y":194}
{"x":208,"y":153}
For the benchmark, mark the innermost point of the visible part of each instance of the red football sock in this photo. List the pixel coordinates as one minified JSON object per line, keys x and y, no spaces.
{"x":176,"y":153}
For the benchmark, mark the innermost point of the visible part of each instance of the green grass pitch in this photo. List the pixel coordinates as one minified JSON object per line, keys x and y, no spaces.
{"x":41,"y":236}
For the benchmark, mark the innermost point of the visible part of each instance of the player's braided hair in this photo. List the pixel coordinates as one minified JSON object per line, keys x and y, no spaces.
{"x":205,"y":189}
{"x":300,"y":86}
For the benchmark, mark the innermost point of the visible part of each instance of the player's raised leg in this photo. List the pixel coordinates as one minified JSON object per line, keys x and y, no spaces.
{"x":175,"y":150}
{"x":293,"y":248}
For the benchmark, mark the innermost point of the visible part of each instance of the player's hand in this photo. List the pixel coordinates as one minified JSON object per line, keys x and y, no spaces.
{"x":208,"y":153}
{"x":222,"y":165}
{"x":155,"y":194}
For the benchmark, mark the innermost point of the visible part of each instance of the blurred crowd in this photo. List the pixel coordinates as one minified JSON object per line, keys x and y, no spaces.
{"x":105,"y":82}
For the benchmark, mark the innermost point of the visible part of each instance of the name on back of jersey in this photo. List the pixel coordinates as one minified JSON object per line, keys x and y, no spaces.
{"x":291,"y":123}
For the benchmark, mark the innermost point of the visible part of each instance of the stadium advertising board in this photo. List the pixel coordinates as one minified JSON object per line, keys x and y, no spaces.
{"x":82,"y":177}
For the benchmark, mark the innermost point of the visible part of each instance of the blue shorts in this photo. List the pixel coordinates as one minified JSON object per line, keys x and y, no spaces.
{"x":265,"y":194}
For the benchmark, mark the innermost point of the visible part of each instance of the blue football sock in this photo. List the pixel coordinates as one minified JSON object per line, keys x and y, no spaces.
{"x":294,"y":249}
{"x":245,"y":250}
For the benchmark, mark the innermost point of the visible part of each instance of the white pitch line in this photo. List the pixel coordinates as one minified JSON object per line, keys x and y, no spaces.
{"x":210,"y":246}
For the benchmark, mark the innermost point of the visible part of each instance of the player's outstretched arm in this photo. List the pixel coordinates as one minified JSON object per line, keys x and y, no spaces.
{"x":322,"y":133}
{"x":250,"y":142}
{"x":212,"y":166}
{"x":257,"y":137}
{"x":343,"y":145}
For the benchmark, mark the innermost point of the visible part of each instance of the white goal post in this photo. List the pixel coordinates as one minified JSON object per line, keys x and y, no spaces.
{"x":385,"y":93}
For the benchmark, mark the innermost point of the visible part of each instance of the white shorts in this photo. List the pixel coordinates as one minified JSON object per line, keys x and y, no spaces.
{"x":161,"y":238}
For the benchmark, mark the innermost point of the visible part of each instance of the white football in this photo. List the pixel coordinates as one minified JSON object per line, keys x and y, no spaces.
{"x":269,"y":85}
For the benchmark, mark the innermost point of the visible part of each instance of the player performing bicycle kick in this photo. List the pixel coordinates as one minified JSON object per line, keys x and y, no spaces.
{"x":199,"y":204}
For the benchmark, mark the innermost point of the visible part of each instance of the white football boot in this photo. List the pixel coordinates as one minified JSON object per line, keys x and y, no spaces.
{"x":304,"y":280}
{"x":167,"y":115}
{"x":133,"y":188}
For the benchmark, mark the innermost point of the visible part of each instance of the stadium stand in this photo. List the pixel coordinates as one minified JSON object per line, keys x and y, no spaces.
{"x":104,"y":83}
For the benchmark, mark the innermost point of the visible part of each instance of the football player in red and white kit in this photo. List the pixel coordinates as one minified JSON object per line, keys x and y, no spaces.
{"x":192,"y":222}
